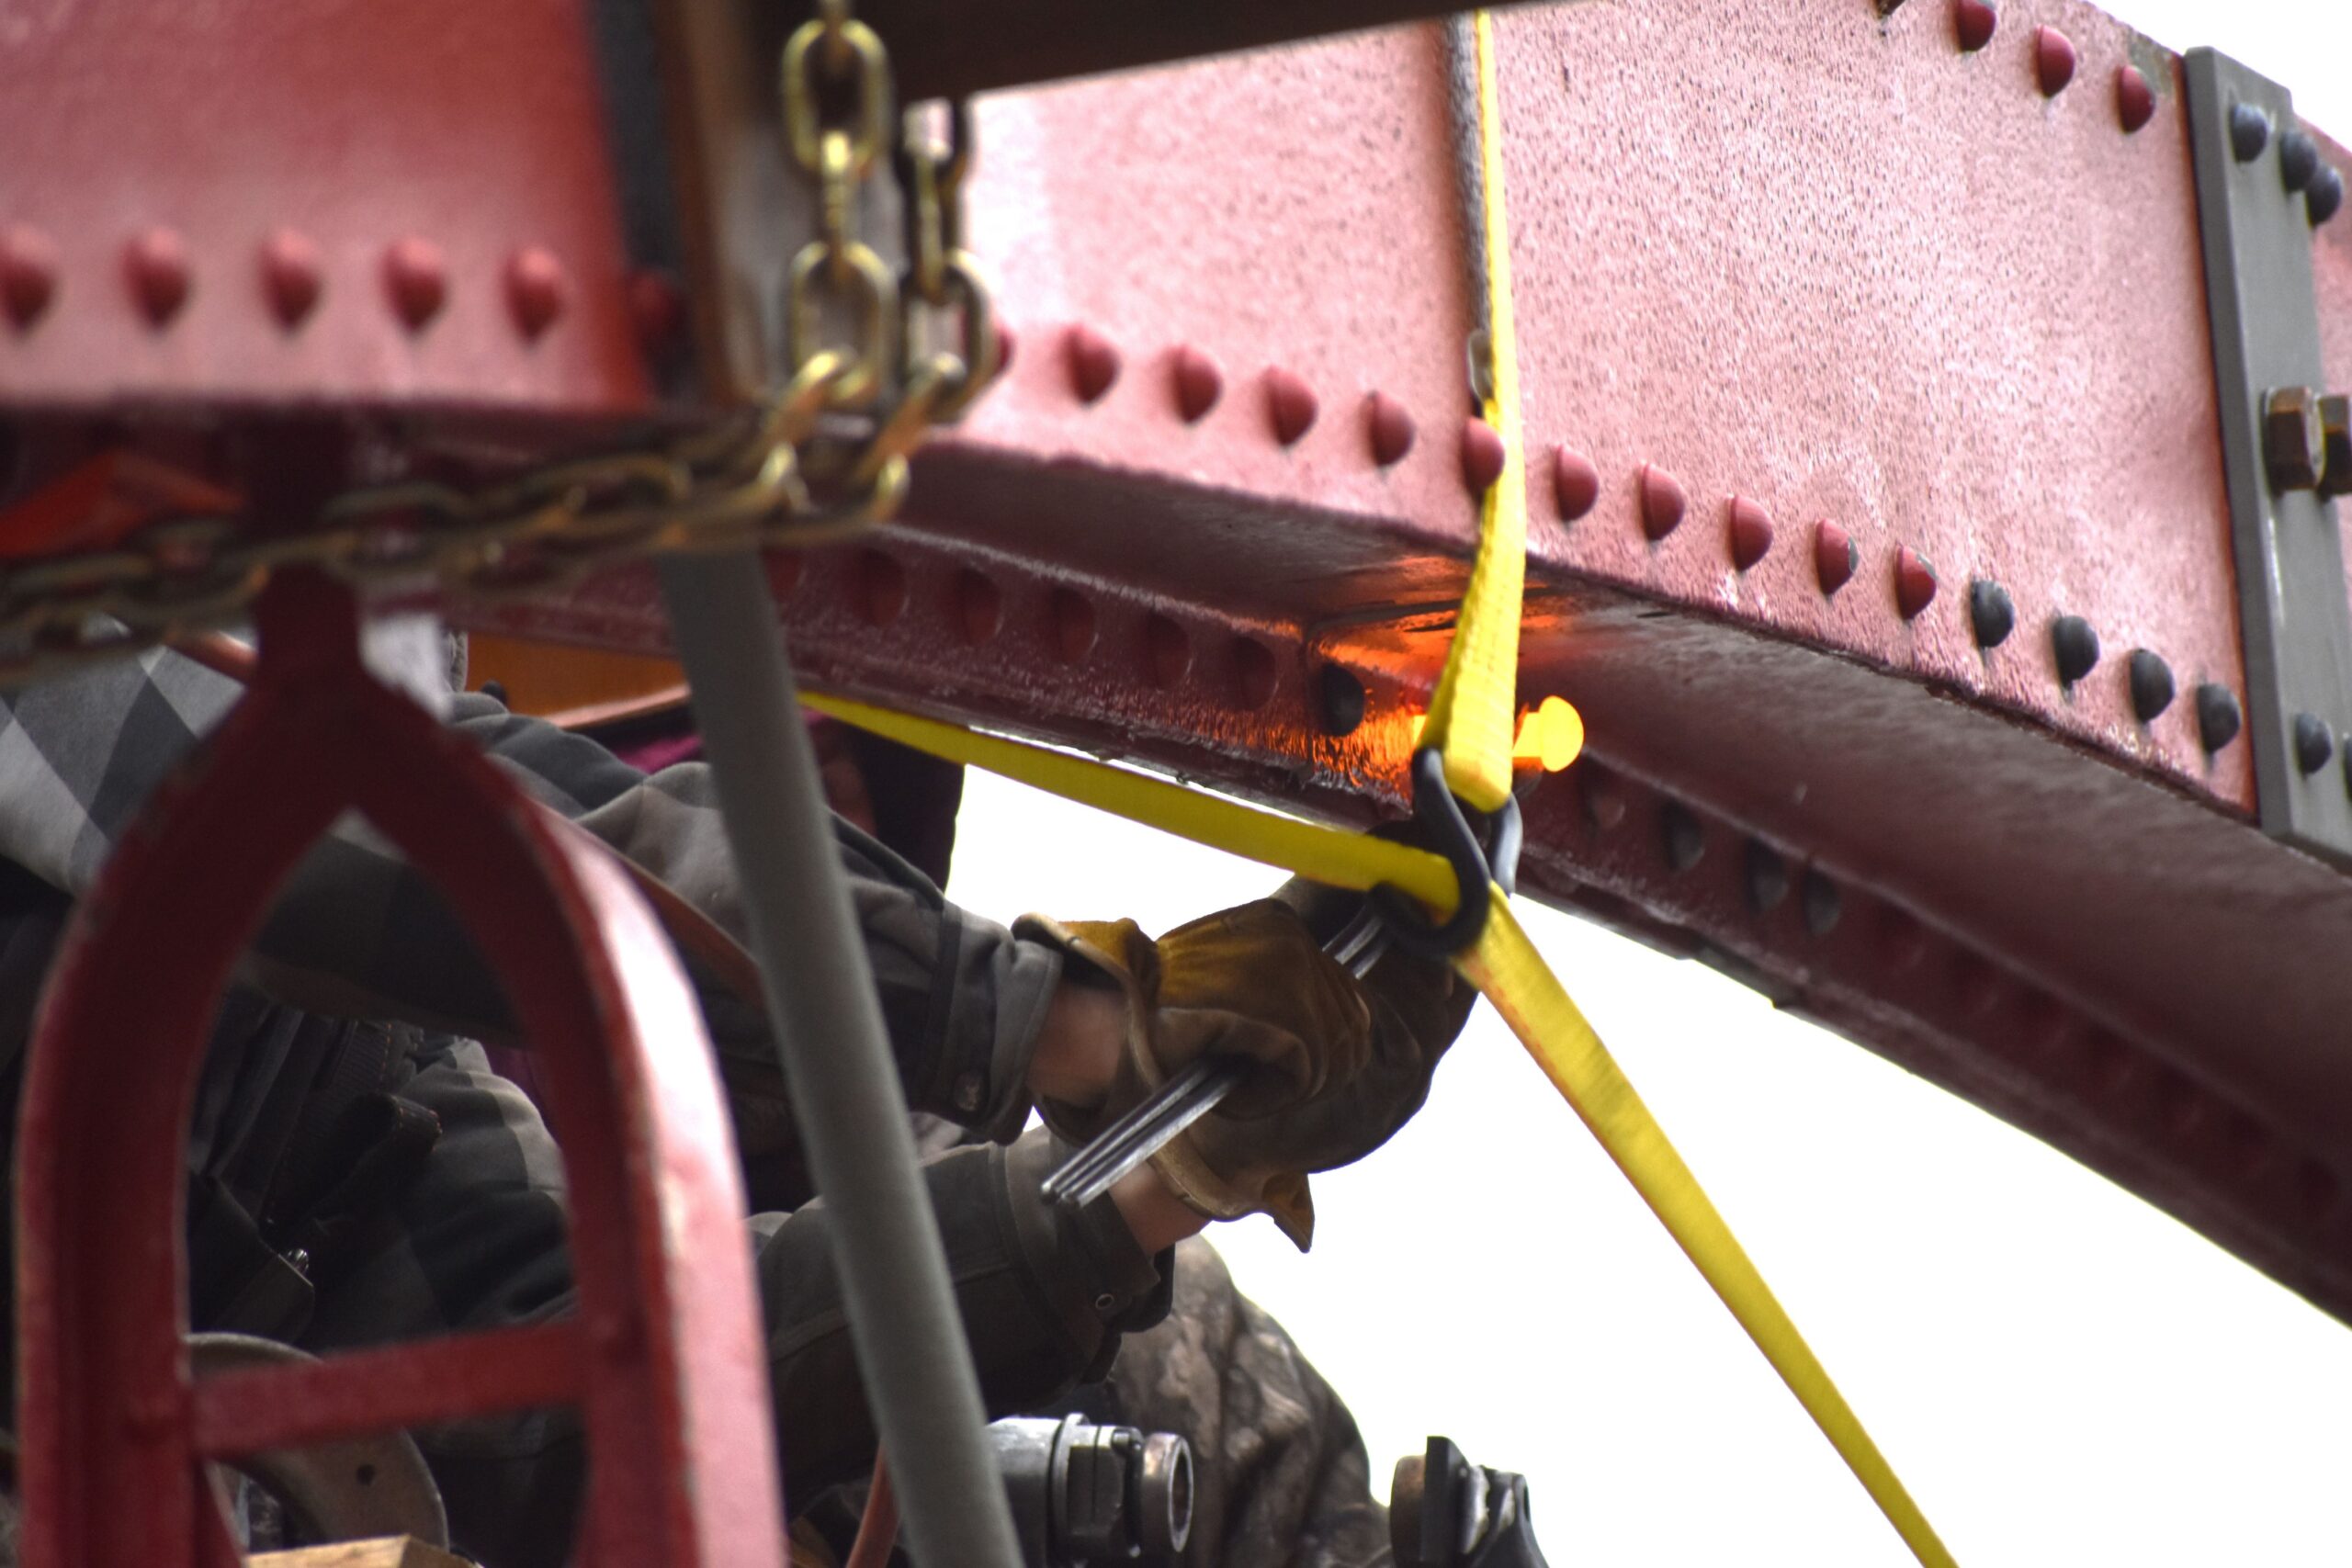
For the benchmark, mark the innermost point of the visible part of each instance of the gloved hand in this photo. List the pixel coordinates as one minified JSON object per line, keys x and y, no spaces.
{"x":1339,"y":1064}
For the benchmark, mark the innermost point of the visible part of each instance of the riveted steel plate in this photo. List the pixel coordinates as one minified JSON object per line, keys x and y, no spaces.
{"x":2293,"y":610}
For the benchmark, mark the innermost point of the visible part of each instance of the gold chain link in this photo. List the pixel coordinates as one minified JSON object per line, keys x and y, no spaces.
{"x":793,"y":474}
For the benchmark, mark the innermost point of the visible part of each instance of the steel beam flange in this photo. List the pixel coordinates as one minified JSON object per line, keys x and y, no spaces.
{"x":2293,"y":612}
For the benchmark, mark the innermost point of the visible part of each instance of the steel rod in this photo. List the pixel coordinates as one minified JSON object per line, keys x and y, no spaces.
{"x":837,"y":1066}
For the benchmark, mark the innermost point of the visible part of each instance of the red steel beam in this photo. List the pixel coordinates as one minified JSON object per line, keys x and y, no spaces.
{"x":1801,"y":290}
{"x":1834,"y":286}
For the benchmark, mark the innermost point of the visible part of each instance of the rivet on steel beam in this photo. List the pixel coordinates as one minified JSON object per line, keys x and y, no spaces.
{"x":1167,"y":651}
{"x":2249,"y":131}
{"x":2298,"y":157}
{"x":1291,"y":406}
{"x":2135,"y":101}
{"x":979,"y":606}
{"x":2054,"y":61}
{"x":1388,"y":428}
{"x":1575,"y":483}
{"x":2315,"y":747}
{"x":1680,"y":836}
{"x":28,"y":274}
{"x":292,"y":276}
{"x":2326,"y":195}
{"x":1255,"y":675}
{"x":2294,"y":441}
{"x":156,"y":263}
{"x":1072,"y":615}
{"x":2217,"y":716}
{"x":1094,"y":362}
{"x":1339,"y":700}
{"x":1601,"y":794}
{"x":1973,"y":22}
{"x":2074,"y":645}
{"x":536,"y":289}
{"x":1836,"y":557}
{"x":657,"y":309}
{"x":881,"y":588}
{"x":1482,"y":454}
{"x":1914,"y":582}
{"x":1992,"y":615}
{"x":1663,"y":502}
{"x":1197,"y":382}
{"x":1749,"y":531}
{"x":417,"y":278}
{"x":2151,"y":682}
{"x":2335,"y":444}
{"x":1766,"y":877}
{"x":1821,"y":902}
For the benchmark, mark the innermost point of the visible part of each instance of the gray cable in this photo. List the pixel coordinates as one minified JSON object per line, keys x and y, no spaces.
{"x":837,"y":1064}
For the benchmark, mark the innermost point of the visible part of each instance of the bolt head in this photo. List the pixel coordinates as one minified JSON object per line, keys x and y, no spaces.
{"x":416,"y":279}
{"x":2074,"y":645}
{"x":2294,"y":443}
{"x":2151,"y":682}
{"x":2314,"y":746}
{"x":159,"y":270}
{"x":2298,"y":158}
{"x":1992,"y":614}
{"x":2323,"y":195}
{"x":2250,"y":132}
{"x":537,"y":290}
{"x":2217,"y":716}
{"x":28,"y":274}
{"x":292,"y":276}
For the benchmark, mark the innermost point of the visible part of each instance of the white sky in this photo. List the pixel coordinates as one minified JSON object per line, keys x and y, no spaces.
{"x":2062,"y":1374}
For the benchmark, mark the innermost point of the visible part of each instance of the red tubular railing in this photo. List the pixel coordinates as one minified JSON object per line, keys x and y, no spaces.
{"x":668,"y":1372}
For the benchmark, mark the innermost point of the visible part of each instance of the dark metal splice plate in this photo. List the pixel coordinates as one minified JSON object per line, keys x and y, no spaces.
{"x":2293,"y":611}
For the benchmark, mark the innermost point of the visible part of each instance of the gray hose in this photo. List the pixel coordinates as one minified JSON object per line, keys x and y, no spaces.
{"x":837,"y":1064}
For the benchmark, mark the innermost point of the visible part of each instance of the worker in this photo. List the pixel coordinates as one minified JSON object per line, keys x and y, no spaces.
{"x":358,"y":1173}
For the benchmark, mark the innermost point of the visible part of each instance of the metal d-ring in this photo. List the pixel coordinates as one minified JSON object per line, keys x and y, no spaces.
{"x":1449,"y":833}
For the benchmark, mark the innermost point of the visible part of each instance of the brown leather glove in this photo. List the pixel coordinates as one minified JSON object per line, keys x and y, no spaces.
{"x":1341,"y":1065}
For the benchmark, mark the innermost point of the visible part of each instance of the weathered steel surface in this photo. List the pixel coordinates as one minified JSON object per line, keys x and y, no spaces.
{"x":1834,"y":267}
{"x":668,"y":1373}
{"x":345,"y":193}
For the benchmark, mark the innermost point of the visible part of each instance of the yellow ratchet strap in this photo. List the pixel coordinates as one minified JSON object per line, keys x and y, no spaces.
{"x":1471,"y":722}
{"x":1471,"y":713}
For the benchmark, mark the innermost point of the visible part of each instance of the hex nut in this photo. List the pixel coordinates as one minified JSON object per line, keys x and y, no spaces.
{"x":2335,"y":440}
{"x":2293,"y":445}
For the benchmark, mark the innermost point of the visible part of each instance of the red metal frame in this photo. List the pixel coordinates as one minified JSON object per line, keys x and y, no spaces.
{"x":666,"y":1359}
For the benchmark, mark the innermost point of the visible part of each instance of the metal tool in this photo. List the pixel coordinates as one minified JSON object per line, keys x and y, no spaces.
{"x":1492,"y":846}
{"x":1083,"y":1493}
{"x":1187,"y":1097}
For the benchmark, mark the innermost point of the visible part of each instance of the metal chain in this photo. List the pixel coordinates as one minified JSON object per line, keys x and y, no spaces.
{"x":824,"y":459}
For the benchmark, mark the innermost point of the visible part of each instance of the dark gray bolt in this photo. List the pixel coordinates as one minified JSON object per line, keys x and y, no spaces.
{"x":1768,"y":878}
{"x":1822,"y":904}
{"x":2335,"y":444}
{"x":1992,"y":615}
{"x":1685,"y":840}
{"x":2298,"y":158}
{"x":2077,"y":646}
{"x":2249,"y":131}
{"x":2315,"y":747}
{"x":2323,"y":195}
{"x":2294,"y":443}
{"x":2217,"y":716}
{"x":2151,"y":685}
{"x":1340,"y":700}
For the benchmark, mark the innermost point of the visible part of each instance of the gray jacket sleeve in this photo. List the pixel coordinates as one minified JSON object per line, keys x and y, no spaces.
{"x":358,"y":933}
{"x":1044,"y":1297}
